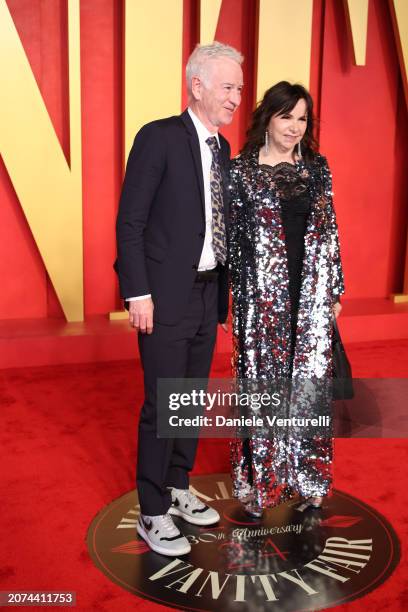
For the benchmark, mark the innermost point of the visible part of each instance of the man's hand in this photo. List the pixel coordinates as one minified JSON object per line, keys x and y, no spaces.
{"x":141,"y":315}
{"x":337,"y":309}
{"x":224,"y":326}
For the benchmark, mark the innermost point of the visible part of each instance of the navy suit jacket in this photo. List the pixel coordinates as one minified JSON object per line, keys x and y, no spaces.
{"x":161,"y":220}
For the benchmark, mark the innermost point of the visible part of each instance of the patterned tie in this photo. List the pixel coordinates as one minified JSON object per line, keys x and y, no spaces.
{"x":218,"y":221}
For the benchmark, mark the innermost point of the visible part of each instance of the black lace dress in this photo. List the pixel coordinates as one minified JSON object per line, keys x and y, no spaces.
{"x":295,"y":201}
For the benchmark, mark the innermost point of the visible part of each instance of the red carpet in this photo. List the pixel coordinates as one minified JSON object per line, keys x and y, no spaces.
{"x":68,"y":441}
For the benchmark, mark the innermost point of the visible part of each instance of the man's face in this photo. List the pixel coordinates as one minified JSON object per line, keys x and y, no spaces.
{"x":218,"y":94}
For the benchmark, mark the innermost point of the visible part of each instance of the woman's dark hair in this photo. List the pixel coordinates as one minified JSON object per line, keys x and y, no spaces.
{"x":278,"y":100}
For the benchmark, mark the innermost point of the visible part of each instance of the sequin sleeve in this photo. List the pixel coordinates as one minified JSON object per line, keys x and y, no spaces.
{"x":337,"y":278}
{"x":236,"y":227}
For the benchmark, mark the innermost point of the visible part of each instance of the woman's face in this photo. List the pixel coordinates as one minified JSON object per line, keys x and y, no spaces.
{"x":287,"y":130}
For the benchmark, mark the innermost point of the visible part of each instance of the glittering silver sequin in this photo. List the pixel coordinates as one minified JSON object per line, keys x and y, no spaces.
{"x":276,"y":469}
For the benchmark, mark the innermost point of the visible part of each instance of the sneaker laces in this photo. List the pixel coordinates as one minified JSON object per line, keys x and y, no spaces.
{"x":165,"y":522}
{"x":191,"y":499}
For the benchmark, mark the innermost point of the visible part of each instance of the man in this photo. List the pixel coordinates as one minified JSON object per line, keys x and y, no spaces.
{"x":171,"y":236}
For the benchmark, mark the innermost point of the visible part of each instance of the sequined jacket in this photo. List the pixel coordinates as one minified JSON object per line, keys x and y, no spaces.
{"x":259,"y":274}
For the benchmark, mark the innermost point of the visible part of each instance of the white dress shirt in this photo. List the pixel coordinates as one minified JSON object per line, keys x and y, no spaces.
{"x":207,"y":259}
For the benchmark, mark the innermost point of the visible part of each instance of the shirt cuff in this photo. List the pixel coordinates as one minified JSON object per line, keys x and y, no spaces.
{"x":139,"y":297}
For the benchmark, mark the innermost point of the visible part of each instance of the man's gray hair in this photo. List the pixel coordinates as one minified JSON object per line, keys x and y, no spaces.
{"x":196,"y":65}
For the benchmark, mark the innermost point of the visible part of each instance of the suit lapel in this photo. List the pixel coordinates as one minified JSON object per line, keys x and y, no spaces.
{"x":196,"y":155}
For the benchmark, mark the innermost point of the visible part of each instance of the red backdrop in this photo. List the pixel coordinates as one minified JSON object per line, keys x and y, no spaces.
{"x":363,"y":132}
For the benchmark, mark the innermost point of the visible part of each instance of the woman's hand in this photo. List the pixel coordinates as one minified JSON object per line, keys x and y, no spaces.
{"x":337,"y":309}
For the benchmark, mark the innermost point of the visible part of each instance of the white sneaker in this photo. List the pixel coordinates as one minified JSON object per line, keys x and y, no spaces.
{"x":161,"y":534}
{"x":186,"y":505}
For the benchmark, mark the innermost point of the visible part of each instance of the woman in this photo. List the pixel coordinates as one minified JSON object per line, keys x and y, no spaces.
{"x":286,"y":280}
